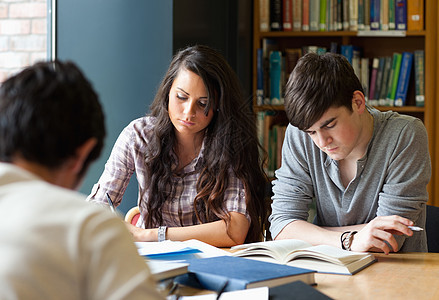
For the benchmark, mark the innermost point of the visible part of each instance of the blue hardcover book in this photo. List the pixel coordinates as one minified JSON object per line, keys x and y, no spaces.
{"x":401,"y":14}
{"x":237,"y":273}
{"x":275,"y":77}
{"x":404,"y":77}
{"x":260,"y":77}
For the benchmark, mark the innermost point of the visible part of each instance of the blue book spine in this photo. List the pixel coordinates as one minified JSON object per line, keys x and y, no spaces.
{"x":260,"y":77}
{"x":347,"y":51}
{"x":275,"y":77}
{"x":401,"y":14}
{"x":404,"y":77}
{"x":375,"y":14}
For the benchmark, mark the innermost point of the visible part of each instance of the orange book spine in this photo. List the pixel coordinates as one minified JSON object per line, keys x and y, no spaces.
{"x":415,"y":15}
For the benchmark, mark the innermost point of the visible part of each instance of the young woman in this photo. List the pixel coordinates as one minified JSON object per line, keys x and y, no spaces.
{"x":196,"y":158}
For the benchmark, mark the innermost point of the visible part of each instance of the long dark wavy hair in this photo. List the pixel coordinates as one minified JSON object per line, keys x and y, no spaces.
{"x":230,"y":144}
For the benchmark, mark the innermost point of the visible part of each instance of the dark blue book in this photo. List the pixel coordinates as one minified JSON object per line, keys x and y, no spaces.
{"x":375,"y":9}
{"x":296,"y":290}
{"x":237,"y":273}
{"x":404,"y":78}
{"x":401,"y":14}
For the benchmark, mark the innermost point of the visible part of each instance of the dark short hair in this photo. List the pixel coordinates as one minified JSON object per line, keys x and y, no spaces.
{"x":317,"y":83}
{"x":47,"y":111}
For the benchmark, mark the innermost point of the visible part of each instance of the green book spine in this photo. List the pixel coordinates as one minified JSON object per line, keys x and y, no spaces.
{"x":322,"y":22}
{"x":392,"y":15}
{"x":396,"y":67}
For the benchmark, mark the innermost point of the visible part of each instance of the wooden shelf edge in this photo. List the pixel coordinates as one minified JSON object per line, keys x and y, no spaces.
{"x":391,"y":34}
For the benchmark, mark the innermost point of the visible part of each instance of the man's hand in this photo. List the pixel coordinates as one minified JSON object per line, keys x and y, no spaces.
{"x":376,"y":233}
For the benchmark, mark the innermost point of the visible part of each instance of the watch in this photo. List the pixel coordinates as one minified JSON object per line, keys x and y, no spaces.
{"x":347,"y":238}
{"x":161,"y":234}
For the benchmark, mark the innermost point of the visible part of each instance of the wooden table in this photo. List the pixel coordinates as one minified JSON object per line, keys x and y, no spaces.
{"x":394,"y":276}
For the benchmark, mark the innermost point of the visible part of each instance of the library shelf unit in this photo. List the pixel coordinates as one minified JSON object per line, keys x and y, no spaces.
{"x":375,"y":44}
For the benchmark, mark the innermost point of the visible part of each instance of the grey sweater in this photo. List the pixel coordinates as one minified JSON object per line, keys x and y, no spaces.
{"x":391,"y":179}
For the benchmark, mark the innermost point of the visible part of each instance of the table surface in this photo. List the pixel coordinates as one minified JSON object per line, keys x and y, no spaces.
{"x":394,"y":276}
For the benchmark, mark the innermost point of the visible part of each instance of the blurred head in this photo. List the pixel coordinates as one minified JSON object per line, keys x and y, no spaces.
{"x":47,"y":112}
{"x":317,"y":83}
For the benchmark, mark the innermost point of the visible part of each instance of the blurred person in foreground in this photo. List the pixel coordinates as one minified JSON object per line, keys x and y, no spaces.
{"x":53,"y":244}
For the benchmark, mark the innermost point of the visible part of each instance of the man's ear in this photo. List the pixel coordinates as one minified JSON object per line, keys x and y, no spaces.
{"x":358,"y":102}
{"x":81,"y":154}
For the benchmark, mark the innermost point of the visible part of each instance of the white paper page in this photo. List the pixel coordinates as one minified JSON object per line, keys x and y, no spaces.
{"x":147,"y":248}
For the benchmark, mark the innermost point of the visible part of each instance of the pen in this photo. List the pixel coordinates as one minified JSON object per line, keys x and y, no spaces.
{"x":221,"y":290}
{"x":110,"y":202}
{"x":415,"y":228}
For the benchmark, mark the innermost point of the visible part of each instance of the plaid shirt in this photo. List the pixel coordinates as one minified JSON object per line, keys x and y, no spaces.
{"x":127,"y":157}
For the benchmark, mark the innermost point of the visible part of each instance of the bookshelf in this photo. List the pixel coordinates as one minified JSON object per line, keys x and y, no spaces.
{"x":373,"y":44}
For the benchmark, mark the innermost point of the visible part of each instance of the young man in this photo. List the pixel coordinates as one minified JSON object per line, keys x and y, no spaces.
{"x":366,"y":170}
{"x":53,"y":244}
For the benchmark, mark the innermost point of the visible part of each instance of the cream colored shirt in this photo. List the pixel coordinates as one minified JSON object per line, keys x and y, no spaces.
{"x":54,"y":245}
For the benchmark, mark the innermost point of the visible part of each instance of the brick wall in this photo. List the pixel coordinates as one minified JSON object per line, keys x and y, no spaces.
{"x":23,"y":34}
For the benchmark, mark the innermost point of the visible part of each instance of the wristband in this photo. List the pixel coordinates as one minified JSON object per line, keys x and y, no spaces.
{"x":161,"y":234}
{"x":346,"y":239}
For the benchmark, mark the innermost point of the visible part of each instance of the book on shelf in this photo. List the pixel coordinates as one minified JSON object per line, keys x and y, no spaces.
{"x":393,"y":84}
{"x":292,"y":55}
{"x":361,"y":16}
{"x":297,"y":15}
{"x":373,"y":79}
{"x":275,"y":75}
{"x":305,"y":15}
{"x":297,"y":253}
{"x":268,"y":45}
{"x":353,"y":15}
{"x":332,"y":15}
{"x":404,"y":78}
{"x":384,"y":15}
{"x":237,"y":273}
{"x":365,"y":76}
{"x":367,"y":14}
{"x":378,"y":80}
{"x":375,"y":10}
{"x":401,"y":14}
{"x":264,"y":15}
{"x":322,"y":16}
{"x":276,"y":15}
{"x":287,"y":15}
{"x":382,"y":99}
{"x":345,"y":11}
{"x":415,"y":15}
{"x":259,"y":77}
{"x":339,"y":16}
{"x":419,"y":65}
{"x":314,"y":15}
{"x":392,"y":24}
{"x":350,"y":51}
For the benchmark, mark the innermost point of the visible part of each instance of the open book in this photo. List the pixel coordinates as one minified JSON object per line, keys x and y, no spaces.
{"x":297,"y":253}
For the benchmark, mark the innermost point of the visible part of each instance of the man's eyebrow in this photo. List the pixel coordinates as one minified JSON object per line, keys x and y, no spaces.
{"x":327,"y":122}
